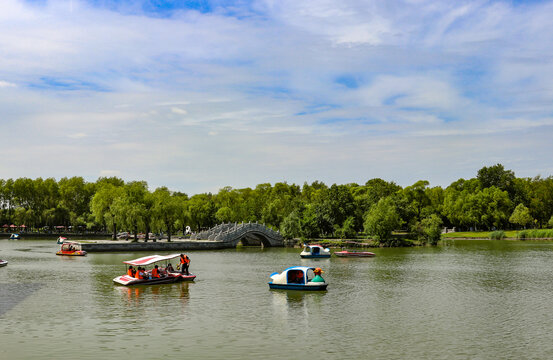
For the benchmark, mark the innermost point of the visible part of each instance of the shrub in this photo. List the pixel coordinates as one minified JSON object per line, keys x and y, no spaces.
{"x":535,"y":234}
{"x":497,"y":235}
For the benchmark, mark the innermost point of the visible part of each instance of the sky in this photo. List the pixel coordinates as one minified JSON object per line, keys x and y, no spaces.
{"x":197,"y":95}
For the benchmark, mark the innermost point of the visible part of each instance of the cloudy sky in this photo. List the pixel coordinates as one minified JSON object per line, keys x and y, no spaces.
{"x":201,"y":94}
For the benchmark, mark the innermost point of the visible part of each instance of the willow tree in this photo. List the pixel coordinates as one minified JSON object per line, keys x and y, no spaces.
{"x":103,"y":205}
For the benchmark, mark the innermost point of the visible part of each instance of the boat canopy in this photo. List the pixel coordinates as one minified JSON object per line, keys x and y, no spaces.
{"x":147,"y":260}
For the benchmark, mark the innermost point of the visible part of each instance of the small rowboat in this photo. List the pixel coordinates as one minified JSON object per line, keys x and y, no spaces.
{"x":3,"y":263}
{"x":346,"y":253}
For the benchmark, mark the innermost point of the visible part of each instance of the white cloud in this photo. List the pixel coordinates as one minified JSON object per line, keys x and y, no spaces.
{"x":336,"y":91}
{"x":4,"y":84}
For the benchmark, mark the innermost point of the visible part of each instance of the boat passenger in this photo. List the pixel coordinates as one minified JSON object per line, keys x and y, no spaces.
{"x":140,"y":273}
{"x":169,"y":268}
{"x":131,"y":271}
{"x":184,"y":263}
{"x":318,"y":277}
{"x":155,"y":272}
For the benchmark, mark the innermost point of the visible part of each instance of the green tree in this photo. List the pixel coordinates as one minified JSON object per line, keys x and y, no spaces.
{"x":291,"y":226}
{"x":347,"y":230}
{"x":166,"y":208}
{"x":521,"y":216}
{"x":102,"y":205}
{"x":381,"y":220}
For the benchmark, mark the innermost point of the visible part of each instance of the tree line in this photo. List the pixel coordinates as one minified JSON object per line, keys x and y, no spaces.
{"x":494,"y":199}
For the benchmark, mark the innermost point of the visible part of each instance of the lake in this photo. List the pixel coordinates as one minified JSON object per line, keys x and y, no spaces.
{"x":465,"y":299}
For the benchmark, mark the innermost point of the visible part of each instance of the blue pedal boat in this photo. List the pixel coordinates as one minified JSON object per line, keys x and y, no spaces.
{"x":296,"y":278}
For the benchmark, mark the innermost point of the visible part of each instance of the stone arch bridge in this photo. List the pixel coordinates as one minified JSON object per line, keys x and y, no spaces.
{"x":231,"y":234}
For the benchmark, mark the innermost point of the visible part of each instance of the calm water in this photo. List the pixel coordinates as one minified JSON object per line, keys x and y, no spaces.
{"x":462,"y":300}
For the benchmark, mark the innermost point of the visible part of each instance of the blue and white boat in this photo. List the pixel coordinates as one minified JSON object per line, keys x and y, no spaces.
{"x":314,"y":252}
{"x":14,"y":236}
{"x":296,"y":278}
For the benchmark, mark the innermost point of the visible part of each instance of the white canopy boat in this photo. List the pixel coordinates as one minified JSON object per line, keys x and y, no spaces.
{"x":166,"y":275}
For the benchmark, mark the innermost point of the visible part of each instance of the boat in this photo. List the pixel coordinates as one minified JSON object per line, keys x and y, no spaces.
{"x":296,"y":278}
{"x":61,"y":240}
{"x":70,"y":248}
{"x":314,"y":252}
{"x":3,"y":263}
{"x":346,"y":253}
{"x":170,"y":276}
{"x":15,"y":237}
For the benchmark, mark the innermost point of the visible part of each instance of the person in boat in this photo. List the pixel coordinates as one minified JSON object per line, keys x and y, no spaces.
{"x":318,"y":277}
{"x":131,"y":272}
{"x":155,"y":273}
{"x":184,"y":263}
{"x":140,"y":273}
{"x":296,"y":277}
{"x":169,"y":268}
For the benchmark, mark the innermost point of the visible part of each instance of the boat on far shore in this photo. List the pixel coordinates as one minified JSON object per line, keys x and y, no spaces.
{"x":314,"y":252}
{"x":346,"y":253}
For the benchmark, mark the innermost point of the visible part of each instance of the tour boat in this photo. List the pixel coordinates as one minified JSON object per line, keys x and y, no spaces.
{"x":296,"y":278}
{"x":70,"y":248}
{"x":170,"y":276}
{"x":61,"y":240}
{"x":346,"y":253}
{"x":314,"y":251}
{"x":3,"y":263}
{"x":15,"y":236}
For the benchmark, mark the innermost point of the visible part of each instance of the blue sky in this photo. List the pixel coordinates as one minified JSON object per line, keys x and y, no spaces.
{"x":197,"y":95}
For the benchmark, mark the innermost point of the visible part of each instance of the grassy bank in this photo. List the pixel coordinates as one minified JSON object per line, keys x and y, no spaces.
{"x":509,"y":234}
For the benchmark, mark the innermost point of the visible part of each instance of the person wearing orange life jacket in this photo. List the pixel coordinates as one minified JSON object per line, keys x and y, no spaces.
{"x":184,"y":263}
{"x":131,"y":271}
{"x":155,"y":272}
{"x":140,"y":273}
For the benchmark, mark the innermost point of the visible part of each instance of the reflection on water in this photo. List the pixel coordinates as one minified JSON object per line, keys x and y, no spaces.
{"x":463,"y":300}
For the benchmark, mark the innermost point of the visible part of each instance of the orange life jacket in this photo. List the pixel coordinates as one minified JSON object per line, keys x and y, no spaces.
{"x":130,"y":272}
{"x":155,"y":273}
{"x":137,"y":275}
{"x":184,"y":259}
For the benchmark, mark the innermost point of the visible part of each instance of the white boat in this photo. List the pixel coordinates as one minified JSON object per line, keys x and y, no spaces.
{"x":169,"y":276}
{"x":3,"y":263}
{"x":296,"y":278}
{"x":314,"y":252}
{"x":15,"y":237}
{"x":61,"y":240}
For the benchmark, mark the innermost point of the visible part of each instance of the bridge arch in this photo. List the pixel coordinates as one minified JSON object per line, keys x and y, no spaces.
{"x":231,"y":234}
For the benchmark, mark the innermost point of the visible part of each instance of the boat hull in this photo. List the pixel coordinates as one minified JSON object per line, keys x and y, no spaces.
{"x":354,"y":254}
{"x":301,"y":287}
{"x":315,"y":256}
{"x":72,"y":253}
{"x":3,"y":263}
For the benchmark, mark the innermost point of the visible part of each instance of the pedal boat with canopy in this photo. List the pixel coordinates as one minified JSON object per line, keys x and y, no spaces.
{"x":296,"y":278}
{"x":71,"y":248}
{"x":167,"y":276}
{"x":314,"y":252}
